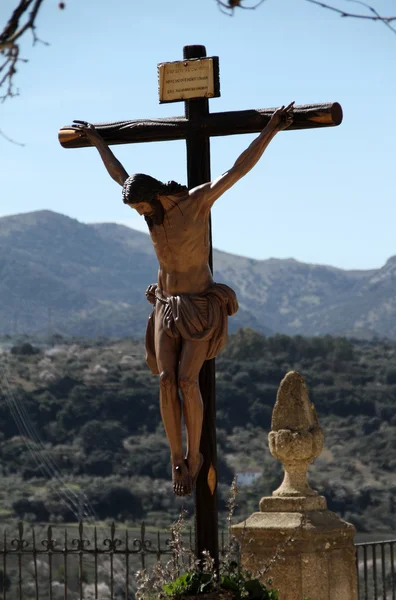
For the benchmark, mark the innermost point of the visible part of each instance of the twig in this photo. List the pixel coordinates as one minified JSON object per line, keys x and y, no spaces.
{"x":375,"y":16}
{"x":228,"y":6}
{"x":10,"y":139}
{"x":9,"y":42}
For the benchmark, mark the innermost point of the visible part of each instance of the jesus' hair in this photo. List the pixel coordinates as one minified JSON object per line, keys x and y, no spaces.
{"x":143,"y":188}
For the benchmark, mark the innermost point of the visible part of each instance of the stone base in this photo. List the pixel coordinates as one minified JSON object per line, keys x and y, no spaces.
{"x":292,"y":503}
{"x":306,"y":554}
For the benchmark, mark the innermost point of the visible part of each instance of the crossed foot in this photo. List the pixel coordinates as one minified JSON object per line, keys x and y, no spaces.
{"x":184,"y":475}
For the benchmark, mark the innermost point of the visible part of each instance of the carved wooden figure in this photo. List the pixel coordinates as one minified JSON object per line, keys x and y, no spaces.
{"x":170,"y":201}
{"x":188,"y":324}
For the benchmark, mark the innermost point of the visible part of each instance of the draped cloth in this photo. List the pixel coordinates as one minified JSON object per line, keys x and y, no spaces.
{"x":194,"y":317}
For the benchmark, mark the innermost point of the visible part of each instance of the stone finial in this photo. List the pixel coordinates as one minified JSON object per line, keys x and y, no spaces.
{"x":296,"y":439}
{"x":317,"y":547}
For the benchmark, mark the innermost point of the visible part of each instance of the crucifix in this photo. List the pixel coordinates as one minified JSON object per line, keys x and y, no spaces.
{"x":180,"y":317}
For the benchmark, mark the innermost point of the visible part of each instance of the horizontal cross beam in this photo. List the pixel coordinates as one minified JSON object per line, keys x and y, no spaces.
{"x":306,"y":116}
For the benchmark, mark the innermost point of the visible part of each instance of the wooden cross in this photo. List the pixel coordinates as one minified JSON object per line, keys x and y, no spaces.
{"x":196,"y":128}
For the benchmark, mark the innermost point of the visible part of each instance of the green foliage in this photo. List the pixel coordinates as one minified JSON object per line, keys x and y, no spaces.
{"x":5,"y":582}
{"x":391,"y":376}
{"x":116,"y":501}
{"x":244,"y":585}
{"x":240,"y":584}
{"x":189,"y":584}
{"x":97,"y":435}
{"x":24,"y":349}
{"x":91,"y":409}
{"x":28,"y":509}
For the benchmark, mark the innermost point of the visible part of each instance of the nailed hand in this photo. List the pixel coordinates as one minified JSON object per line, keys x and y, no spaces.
{"x":86,"y":129}
{"x":282,"y":117}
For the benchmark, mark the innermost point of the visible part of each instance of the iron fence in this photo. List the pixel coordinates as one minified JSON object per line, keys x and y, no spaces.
{"x":88,"y":563}
{"x":60,"y":565}
{"x":376,"y":570}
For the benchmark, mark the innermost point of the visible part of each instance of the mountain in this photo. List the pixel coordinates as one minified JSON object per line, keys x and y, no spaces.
{"x":59,"y":275}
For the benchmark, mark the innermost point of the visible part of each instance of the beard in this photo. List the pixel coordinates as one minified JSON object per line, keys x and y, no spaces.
{"x":157,"y":216}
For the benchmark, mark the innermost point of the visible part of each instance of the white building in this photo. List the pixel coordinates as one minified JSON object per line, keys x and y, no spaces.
{"x":248,"y":476}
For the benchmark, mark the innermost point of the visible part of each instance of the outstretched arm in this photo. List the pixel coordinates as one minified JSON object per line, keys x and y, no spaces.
{"x":112,"y":164}
{"x":208,"y":193}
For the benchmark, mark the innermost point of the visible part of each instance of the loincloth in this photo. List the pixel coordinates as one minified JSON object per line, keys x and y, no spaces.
{"x":194,"y":317}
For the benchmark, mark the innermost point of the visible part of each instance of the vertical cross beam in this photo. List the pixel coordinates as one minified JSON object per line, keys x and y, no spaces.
{"x":206,"y":510}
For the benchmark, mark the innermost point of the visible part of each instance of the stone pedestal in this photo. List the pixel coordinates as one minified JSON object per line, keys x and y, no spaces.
{"x":305,"y":554}
{"x":306,"y":550}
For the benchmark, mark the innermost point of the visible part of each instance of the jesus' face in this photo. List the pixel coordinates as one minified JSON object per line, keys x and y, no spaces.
{"x":144,"y":208}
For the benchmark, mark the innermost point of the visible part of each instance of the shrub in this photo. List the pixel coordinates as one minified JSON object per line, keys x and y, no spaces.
{"x":24,"y":349}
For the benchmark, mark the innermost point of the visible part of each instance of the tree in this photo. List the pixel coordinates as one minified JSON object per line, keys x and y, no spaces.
{"x":31,"y":506}
{"x":116,"y":502}
{"x":371,"y":13}
{"x":98,"y":436}
{"x":367,"y":12}
{"x":25,"y":349}
{"x":5,"y":582}
{"x":24,"y":17}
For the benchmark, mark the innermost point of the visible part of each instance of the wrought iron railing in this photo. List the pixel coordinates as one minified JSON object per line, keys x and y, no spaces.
{"x":84,"y":565}
{"x":88,"y":563}
{"x":376,"y":570}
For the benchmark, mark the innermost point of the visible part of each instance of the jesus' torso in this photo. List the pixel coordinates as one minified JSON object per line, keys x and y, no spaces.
{"x":181,"y":244}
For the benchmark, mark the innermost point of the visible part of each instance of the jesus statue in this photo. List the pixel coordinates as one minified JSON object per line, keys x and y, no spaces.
{"x":188,"y":324}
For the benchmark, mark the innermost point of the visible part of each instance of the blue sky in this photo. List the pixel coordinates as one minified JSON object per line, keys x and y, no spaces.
{"x":320,"y":196}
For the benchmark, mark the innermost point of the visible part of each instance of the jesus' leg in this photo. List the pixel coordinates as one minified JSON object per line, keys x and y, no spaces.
{"x":167,"y":351}
{"x":193,"y":355}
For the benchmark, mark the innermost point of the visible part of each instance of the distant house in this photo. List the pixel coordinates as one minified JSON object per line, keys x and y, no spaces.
{"x":248,"y":476}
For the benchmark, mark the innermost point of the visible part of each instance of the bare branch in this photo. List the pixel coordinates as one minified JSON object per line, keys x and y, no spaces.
{"x":228,"y":6}
{"x":374,"y":16}
{"x":20,"y":21}
{"x":6,"y":137}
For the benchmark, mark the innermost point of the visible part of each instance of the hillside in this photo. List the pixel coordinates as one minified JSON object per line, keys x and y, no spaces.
{"x":82,"y":435}
{"x":59,"y":275}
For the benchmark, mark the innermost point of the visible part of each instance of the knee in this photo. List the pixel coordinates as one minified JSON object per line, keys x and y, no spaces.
{"x":167,"y":380}
{"x":187,"y":385}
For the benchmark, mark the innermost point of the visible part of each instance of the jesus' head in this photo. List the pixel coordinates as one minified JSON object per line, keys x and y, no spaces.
{"x":144,"y":192}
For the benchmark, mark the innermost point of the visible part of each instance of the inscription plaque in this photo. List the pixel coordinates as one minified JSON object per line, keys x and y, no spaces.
{"x":188,"y":79}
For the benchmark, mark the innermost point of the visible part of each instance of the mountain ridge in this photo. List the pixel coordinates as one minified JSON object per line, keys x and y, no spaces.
{"x":59,"y":274}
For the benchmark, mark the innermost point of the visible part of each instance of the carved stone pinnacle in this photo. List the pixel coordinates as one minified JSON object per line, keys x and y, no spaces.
{"x":296,"y":439}
{"x":317,"y":547}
